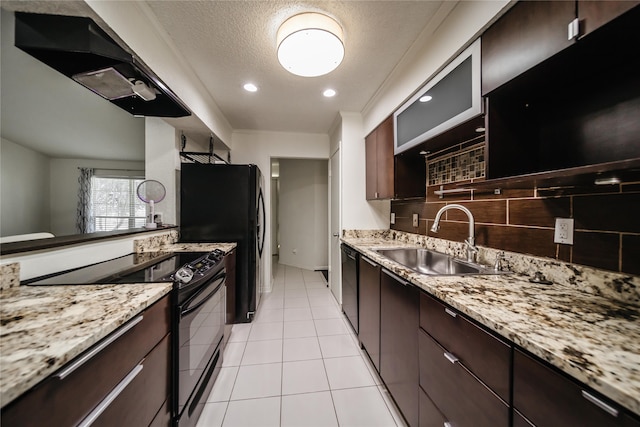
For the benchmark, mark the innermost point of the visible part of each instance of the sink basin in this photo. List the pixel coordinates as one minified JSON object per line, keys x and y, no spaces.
{"x":434,"y":263}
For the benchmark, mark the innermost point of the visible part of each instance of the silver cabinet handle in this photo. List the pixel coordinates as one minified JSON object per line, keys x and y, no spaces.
{"x":451,"y":312}
{"x":599,"y":403}
{"x":395,"y":277}
{"x":351,"y":257}
{"x":450,"y":357}
{"x":110,"y":397}
{"x":336,"y":234}
{"x":371,"y":263}
{"x":98,"y":348}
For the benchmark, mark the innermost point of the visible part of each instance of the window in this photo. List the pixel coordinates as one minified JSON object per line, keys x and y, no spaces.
{"x":115,"y":204}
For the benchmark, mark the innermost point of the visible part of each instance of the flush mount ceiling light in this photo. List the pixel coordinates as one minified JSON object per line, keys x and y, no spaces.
{"x":310,"y":44}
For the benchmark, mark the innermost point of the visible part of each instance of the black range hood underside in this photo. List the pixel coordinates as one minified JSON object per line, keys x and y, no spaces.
{"x":72,"y":45}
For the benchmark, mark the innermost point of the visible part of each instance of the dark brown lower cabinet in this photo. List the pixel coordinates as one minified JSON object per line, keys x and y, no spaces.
{"x":462,"y":398}
{"x":369,"y":309}
{"x":131,"y":365}
{"x":548,"y":398}
{"x":520,"y":421}
{"x":137,"y":404}
{"x":430,"y":416}
{"x":399,"y":320}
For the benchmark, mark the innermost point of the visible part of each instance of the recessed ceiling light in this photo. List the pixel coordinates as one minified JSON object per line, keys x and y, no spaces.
{"x":250,"y":87}
{"x":329,"y":93}
{"x":425,"y":98}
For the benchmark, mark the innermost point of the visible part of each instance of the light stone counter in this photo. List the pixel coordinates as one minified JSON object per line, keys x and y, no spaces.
{"x":594,"y":339}
{"x":44,"y":327}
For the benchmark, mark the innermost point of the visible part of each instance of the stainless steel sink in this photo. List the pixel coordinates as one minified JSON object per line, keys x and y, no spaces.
{"x":434,"y":263}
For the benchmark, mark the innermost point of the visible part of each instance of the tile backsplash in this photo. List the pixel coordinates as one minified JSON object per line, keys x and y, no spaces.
{"x":458,"y":166}
{"x":606,"y":231}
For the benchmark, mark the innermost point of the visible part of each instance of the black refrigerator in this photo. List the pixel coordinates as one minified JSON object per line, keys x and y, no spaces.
{"x":225,"y":203}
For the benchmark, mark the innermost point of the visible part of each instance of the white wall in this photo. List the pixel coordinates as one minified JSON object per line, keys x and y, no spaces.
{"x":24,"y":183}
{"x":64,"y":189}
{"x":357,"y":212}
{"x":162,"y":163}
{"x":303,"y":206}
{"x":258,"y":148}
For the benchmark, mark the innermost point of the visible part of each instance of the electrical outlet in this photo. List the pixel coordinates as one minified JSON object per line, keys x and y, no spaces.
{"x":393,"y":218}
{"x":415,"y":220}
{"x":564,"y":231}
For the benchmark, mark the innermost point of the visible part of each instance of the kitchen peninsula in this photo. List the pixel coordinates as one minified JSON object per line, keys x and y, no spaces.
{"x":44,"y":328}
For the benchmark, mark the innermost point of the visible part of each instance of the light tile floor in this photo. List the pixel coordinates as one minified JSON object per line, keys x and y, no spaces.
{"x":298,"y":364}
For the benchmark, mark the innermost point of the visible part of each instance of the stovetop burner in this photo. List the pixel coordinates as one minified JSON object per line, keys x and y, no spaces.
{"x":132,"y":268}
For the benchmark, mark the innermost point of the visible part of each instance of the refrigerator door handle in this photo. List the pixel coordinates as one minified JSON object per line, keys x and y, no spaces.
{"x":261,"y":223}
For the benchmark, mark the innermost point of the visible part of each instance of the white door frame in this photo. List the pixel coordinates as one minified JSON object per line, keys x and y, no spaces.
{"x":335,"y":224}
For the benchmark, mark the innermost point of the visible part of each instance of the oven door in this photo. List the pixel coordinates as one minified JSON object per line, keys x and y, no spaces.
{"x":201,"y":317}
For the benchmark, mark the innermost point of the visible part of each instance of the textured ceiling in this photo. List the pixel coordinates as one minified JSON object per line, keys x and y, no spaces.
{"x":229,"y":43}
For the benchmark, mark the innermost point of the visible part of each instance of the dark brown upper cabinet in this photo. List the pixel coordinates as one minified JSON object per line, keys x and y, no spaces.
{"x":533,"y":31}
{"x":389,"y":176}
{"x":594,"y":14}
{"x":379,"y":157}
{"x":529,"y":33}
{"x":561,"y":115}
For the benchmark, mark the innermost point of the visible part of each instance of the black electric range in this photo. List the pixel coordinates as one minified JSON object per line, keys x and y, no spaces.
{"x":132,"y":268}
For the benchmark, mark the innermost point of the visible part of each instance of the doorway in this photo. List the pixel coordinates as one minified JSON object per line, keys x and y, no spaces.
{"x":300,"y":213}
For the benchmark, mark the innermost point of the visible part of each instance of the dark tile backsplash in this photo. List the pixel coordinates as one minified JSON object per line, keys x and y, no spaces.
{"x":607,"y":222}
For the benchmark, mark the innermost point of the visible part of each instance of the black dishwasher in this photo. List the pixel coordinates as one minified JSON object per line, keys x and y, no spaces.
{"x":350,"y":286}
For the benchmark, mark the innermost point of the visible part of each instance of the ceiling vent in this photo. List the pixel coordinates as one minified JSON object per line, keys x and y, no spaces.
{"x":79,"y":49}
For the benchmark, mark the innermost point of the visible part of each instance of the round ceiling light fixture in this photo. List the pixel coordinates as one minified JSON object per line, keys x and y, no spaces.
{"x":310,"y":44}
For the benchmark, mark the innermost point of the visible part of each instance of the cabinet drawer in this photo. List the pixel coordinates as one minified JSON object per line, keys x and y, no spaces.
{"x":88,"y":385}
{"x":141,"y":399}
{"x":482,"y":353}
{"x":549,"y":398}
{"x":430,"y":416}
{"x":464,"y":401}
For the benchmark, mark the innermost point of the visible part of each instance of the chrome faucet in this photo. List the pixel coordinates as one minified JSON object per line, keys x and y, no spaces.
{"x":472,"y":250}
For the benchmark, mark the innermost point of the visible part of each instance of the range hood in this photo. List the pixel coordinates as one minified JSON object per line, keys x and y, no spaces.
{"x":79,"y":49}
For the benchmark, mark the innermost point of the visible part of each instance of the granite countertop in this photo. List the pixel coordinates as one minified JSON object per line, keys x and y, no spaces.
{"x":44,"y":327}
{"x":594,"y":339}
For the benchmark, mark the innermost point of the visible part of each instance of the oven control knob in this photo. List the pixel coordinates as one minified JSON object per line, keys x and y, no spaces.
{"x":184,"y":275}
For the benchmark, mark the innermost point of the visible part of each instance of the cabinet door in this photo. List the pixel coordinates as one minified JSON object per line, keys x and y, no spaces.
{"x":384,"y":145}
{"x":399,"y":318}
{"x":138,"y":402}
{"x":430,"y":416}
{"x":464,"y":401}
{"x":371,"y":165}
{"x":526,"y":35}
{"x":549,"y":399}
{"x":488,"y":357}
{"x":594,"y":14}
{"x":369,"y":304}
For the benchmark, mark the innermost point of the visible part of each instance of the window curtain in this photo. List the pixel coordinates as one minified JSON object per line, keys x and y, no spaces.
{"x":84,"y":213}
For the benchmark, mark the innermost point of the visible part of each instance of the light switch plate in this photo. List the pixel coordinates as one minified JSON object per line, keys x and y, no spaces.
{"x":393,"y":218}
{"x":415,"y":220}
{"x":564,"y":231}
